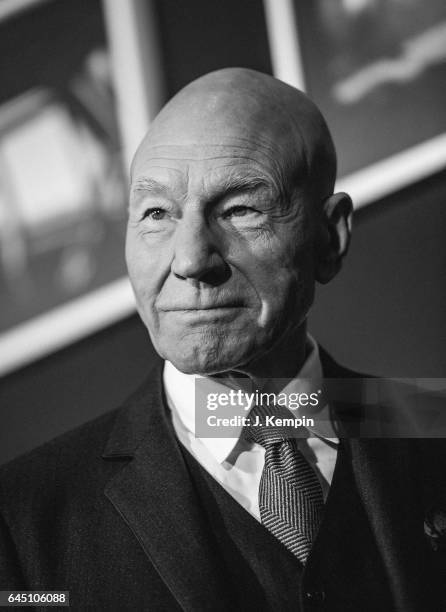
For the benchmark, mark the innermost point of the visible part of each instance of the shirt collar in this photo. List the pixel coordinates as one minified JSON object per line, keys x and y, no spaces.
{"x":180,"y":393}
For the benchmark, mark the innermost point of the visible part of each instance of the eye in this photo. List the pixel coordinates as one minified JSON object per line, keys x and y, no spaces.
{"x":155,"y":214}
{"x":156,"y":219}
{"x":238,"y":211}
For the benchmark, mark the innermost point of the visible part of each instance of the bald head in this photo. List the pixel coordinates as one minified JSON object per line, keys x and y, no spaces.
{"x":256,"y":107}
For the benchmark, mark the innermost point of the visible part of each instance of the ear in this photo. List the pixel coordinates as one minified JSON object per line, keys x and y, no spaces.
{"x":334,"y":236}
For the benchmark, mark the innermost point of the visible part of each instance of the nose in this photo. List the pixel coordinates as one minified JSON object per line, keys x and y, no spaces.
{"x":196,"y":253}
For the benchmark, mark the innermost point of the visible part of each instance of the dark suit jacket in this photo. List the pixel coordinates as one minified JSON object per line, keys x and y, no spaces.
{"x":108,"y":512}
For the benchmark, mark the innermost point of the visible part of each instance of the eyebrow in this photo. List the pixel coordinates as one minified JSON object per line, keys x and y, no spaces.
{"x":237,"y":184}
{"x":244,"y":183}
{"x":150,"y":186}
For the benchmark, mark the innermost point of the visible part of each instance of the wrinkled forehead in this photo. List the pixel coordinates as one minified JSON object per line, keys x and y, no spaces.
{"x":216,"y":146}
{"x":209,"y":172}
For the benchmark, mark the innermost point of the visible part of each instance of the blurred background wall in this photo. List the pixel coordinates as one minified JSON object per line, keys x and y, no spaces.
{"x":384,"y":314}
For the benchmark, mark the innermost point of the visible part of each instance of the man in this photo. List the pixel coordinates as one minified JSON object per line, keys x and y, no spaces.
{"x":232,"y":220}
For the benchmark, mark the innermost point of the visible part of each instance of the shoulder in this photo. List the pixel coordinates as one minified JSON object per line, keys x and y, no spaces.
{"x":71,"y":467}
{"x":78,"y":449}
{"x":66,"y":461}
{"x":332,"y":369}
{"x":53,"y":492}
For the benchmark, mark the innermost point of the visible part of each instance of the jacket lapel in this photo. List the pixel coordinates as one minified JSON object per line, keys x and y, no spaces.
{"x":155,"y":497}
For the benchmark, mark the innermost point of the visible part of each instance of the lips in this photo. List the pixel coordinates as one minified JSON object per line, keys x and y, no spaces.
{"x":183,"y":305}
{"x":190,"y":307}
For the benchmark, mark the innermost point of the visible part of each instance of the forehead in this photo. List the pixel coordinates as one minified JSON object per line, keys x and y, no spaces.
{"x":201,"y":163}
{"x":208,"y":154}
{"x":182,"y":174}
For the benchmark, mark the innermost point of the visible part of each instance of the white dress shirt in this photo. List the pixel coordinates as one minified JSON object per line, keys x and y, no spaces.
{"x":236,"y":464}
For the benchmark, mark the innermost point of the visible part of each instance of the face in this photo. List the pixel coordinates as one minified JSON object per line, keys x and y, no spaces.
{"x":221,"y":262}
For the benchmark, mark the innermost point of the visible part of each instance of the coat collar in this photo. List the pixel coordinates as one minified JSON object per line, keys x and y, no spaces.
{"x":154,"y":495}
{"x":134,"y":420}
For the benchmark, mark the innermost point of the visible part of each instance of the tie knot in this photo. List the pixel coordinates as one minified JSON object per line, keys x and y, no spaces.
{"x":269,"y":425}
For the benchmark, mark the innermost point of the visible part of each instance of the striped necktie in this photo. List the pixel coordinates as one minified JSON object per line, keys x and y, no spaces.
{"x":290,"y":495}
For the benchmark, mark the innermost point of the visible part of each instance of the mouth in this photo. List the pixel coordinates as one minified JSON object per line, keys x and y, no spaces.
{"x":202,"y":307}
{"x":203,"y":314}
{"x":207,"y":309}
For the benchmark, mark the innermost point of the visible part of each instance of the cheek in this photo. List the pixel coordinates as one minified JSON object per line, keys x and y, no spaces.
{"x":285,"y":287}
{"x":147,"y":270}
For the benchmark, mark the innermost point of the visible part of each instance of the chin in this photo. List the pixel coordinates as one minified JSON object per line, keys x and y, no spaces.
{"x":204,"y":359}
{"x":202,"y":366}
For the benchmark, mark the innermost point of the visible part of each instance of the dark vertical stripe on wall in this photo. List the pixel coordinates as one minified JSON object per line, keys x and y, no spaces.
{"x":204,"y":35}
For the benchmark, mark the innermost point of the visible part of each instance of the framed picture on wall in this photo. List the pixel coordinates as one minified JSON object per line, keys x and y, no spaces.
{"x":377,"y":70}
{"x":72,"y":110}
